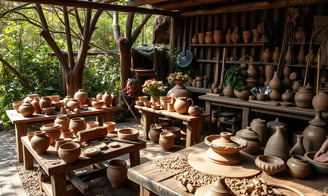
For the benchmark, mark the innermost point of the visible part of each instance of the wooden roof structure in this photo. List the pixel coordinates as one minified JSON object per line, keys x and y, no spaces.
{"x":183,"y":8}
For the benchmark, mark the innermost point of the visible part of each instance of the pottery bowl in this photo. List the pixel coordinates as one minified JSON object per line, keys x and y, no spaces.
{"x":110,"y":125}
{"x":270,"y":164}
{"x":318,"y":166}
{"x":261,"y":97}
{"x":211,"y":141}
{"x":147,"y":104}
{"x":49,"y":110}
{"x":128,"y":134}
{"x":16,"y":105}
{"x":139,"y":103}
{"x":69,"y":152}
{"x":54,"y":97}
{"x":156,"y":107}
{"x":97,"y":104}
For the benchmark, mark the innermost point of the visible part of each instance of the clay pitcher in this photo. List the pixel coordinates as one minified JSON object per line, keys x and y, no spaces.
{"x":117,"y":172}
{"x":81,"y":96}
{"x":182,"y":104}
{"x":300,"y":34}
{"x":277,"y":145}
{"x":40,"y":142}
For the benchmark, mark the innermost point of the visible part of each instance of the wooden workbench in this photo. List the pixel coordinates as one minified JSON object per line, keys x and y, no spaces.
{"x":194,"y":123}
{"x":22,"y":123}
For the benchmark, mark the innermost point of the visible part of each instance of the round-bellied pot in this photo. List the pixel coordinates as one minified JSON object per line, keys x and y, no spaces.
{"x":69,"y":152}
{"x":36,"y":104}
{"x":107,"y":98}
{"x":252,"y":139}
{"x":176,"y":132}
{"x":81,"y":96}
{"x":52,"y":130}
{"x":116,"y":172}
{"x":40,"y":142}
{"x":16,"y":105}
{"x":303,"y":97}
{"x":62,"y":120}
{"x":166,"y":140}
{"x":26,"y":109}
{"x":110,"y":125}
{"x":77,"y":124}
{"x":45,"y":102}
{"x":319,"y":101}
{"x":182,"y":104}
{"x":154,"y":132}
{"x":73,"y":104}
{"x":298,"y":167}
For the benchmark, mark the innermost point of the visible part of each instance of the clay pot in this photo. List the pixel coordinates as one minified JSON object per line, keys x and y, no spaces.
{"x":73,"y":104}
{"x":303,"y":97}
{"x":97,"y":104}
{"x":117,"y":172}
{"x":62,"y":120}
{"x":99,"y":96}
{"x":164,"y":100}
{"x":194,"y":39}
{"x":286,"y":82}
{"x":26,"y":109}
{"x":69,"y":152}
{"x":298,"y":167}
{"x":276,"y":54}
{"x":315,"y":133}
{"x":242,"y":95}
{"x":16,"y":105}
{"x":256,"y":35}
{"x":52,"y":130}
{"x":288,"y":55}
{"x":166,"y":140}
{"x":252,"y":139}
{"x":49,"y":110}
{"x":319,"y":101}
{"x":270,"y":164}
{"x":296,"y":85}
{"x":298,"y":148}
{"x":110,"y":125}
{"x":81,"y":96}
{"x":45,"y":102}
{"x":193,"y":110}
{"x":176,"y":133}
{"x":209,"y":37}
{"x":201,"y":38}
{"x":218,"y":36}
{"x":287,"y":96}
{"x":154,"y":132}
{"x":267,"y":55}
{"x":182,"y":104}
{"x":77,"y":124}
{"x":247,"y":36}
{"x":277,"y":145}
{"x":228,"y":91}
{"x":36,"y":104}
{"x":59,"y":142}
{"x":252,"y":71}
{"x":67,"y":133}
{"x":92,"y":124}
{"x":271,"y":126}
{"x":114,"y":99}
{"x":30,"y":97}
{"x":179,"y":90}
{"x":300,"y":34}
{"x":228,"y":36}
{"x":259,"y":126}
{"x":65,"y":100}
{"x":107,"y":99}
{"x":301,"y":55}
{"x":40,"y":142}
{"x":275,"y":85}
{"x":268,"y":72}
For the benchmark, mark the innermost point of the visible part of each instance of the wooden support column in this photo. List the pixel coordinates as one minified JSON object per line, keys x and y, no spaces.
{"x":20,"y":130}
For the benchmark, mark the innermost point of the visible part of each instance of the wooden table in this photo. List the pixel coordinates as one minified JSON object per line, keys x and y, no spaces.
{"x":57,"y":169}
{"x":22,"y":123}
{"x":256,"y":106}
{"x":194,"y":123}
{"x":156,"y":181}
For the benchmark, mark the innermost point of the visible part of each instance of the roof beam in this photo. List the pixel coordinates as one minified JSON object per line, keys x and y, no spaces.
{"x":176,"y":5}
{"x":144,"y":2}
{"x":99,"y":6}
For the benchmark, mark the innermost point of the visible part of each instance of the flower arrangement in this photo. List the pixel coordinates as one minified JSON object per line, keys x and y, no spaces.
{"x":153,"y":87}
{"x":177,"y":76}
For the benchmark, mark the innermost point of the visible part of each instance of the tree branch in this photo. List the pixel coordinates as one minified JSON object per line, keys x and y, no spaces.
{"x":128,"y":26}
{"x":116,"y":27}
{"x":137,"y":31}
{"x":68,"y":37}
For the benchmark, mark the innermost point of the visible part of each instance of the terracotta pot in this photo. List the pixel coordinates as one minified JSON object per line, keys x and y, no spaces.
{"x":228,"y":91}
{"x":277,"y":145}
{"x":243,"y":94}
{"x":298,"y":167}
{"x":319,"y":101}
{"x":92,"y":124}
{"x":235,"y":35}
{"x":218,"y":36}
{"x":117,"y":172}
{"x":252,"y":139}
{"x":97,"y":104}
{"x":53,"y":131}
{"x":36,"y":104}
{"x":114,"y":99}
{"x":59,"y":142}
{"x":303,"y":97}
{"x":267,"y":55}
{"x":176,"y":133}
{"x":77,"y":124}
{"x":45,"y":102}
{"x":62,"y":120}
{"x":201,"y":38}
{"x":288,"y":55}
{"x":298,"y":148}
{"x":270,"y":164}
{"x":275,"y":82}
{"x":182,"y":104}
{"x":301,"y":55}
{"x":300,"y":34}
{"x":276,"y":54}
{"x":99,"y":96}
{"x":268,"y":71}
{"x":179,"y":91}
{"x":110,"y":125}
{"x":193,"y":110}
{"x":107,"y":99}
{"x":164,"y":100}
{"x":81,"y":96}
{"x":260,"y":127}
{"x":256,"y":35}
{"x":16,"y":105}
{"x":40,"y":142}
{"x":315,"y":133}
{"x":247,"y":36}
{"x":209,"y":37}
{"x":194,"y":39}
{"x":287,"y":96}
{"x":69,"y":152}
{"x":73,"y":103}
{"x":166,"y":140}
{"x":286,"y":82}
{"x":228,"y":36}
{"x":154,"y":132}
{"x":26,"y":109}
{"x":65,"y":100}
{"x":67,"y":133}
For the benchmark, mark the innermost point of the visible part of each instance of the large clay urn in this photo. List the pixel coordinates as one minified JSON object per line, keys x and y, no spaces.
{"x":179,"y":90}
{"x":40,"y":142}
{"x":218,"y":36}
{"x":320,"y":101}
{"x":107,"y":99}
{"x":26,"y":109}
{"x":277,"y":145}
{"x":298,"y":167}
{"x":62,"y":120}
{"x":252,"y":139}
{"x":81,"y":96}
{"x":182,"y":104}
{"x":315,"y":133}
{"x":45,"y":102}
{"x":117,"y":172}
{"x":77,"y":124}
{"x":303,"y":97}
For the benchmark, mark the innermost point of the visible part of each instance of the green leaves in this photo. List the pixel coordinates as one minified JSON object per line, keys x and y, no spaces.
{"x":236,"y":77}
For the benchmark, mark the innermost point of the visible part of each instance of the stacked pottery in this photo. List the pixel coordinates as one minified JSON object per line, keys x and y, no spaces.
{"x":26,"y":109}
{"x":81,"y":96}
{"x":77,"y":124}
{"x":252,"y":139}
{"x":40,"y":142}
{"x":277,"y":145}
{"x":52,"y":130}
{"x":298,"y":167}
{"x":166,"y":140}
{"x":154,"y":132}
{"x":117,"y":172}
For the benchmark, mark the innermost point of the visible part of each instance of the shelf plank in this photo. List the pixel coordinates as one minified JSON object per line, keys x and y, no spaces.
{"x":229,"y":45}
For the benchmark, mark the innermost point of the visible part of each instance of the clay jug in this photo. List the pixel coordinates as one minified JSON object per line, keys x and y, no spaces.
{"x":107,"y":99}
{"x":298,"y":148}
{"x":40,"y":142}
{"x":117,"y":172}
{"x":81,"y":96}
{"x":271,"y":126}
{"x":276,"y":54}
{"x":298,"y":167}
{"x":62,"y":120}
{"x":36,"y":104}
{"x":45,"y":102}
{"x":194,"y":39}
{"x":301,"y":55}
{"x":268,"y":71}
{"x":182,"y":104}
{"x":303,"y":97}
{"x":73,"y":103}
{"x":208,"y":37}
{"x":193,"y":110}
{"x":166,"y":140}
{"x":201,"y":38}
{"x":252,"y":139}
{"x":77,"y":124}
{"x":260,"y":127}
{"x":300,"y":34}
{"x":218,"y":36}
{"x":154,"y":132}
{"x":266,"y":55}
{"x":277,"y":145}
{"x":228,"y":36}
{"x":247,"y":36}
{"x":287,"y":96}
{"x":26,"y":109}
{"x":319,"y":101}
{"x":235,"y":35}
{"x":288,"y":55}
{"x":114,"y":99}
{"x":315,"y":133}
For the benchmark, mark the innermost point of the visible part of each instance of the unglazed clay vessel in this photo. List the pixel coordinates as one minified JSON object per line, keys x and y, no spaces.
{"x":298,"y":167}
{"x":277,"y":145}
{"x":270,"y":164}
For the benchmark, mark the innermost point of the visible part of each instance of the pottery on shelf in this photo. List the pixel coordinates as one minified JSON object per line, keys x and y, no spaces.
{"x":275,"y":85}
{"x":164,"y":100}
{"x":69,"y":152}
{"x":26,"y":109}
{"x":247,"y":36}
{"x":298,"y":148}
{"x":298,"y":166}
{"x":235,"y":35}
{"x":267,"y":55}
{"x":182,"y":104}
{"x":179,"y":90}
{"x":276,"y":54}
{"x":36,"y":104}
{"x":117,"y":172}
{"x":242,"y":95}
{"x":77,"y":124}
{"x":270,"y":164}
{"x":107,"y":99}
{"x":288,"y":55}
{"x":303,"y":97}
{"x":176,"y":133}
{"x":228,"y":36}
{"x":194,"y":39}
{"x":228,"y":91}
{"x":81,"y":96}
{"x":218,"y":36}
{"x":300,"y":34}
{"x":40,"y":142}
{"x":315,"y":133}
{"x":268,"y":72}
{"x":277,"y":145}
{"x":287,"y":96}
{"x":319,"y":101}
{"x":208,"y":37}
{"x":201,"y":38}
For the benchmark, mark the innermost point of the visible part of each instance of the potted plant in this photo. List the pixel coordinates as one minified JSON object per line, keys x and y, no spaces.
{"x":235,"y":78}
{"x":154,"y":88}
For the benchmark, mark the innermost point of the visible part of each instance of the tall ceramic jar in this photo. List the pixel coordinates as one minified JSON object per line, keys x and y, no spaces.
{"x":208,"y":37}
{"x":117,"y":172}
{"x":260,"y":127}
{"x":277,"y":145}
{"x":217,"y":36}
{"x":201,"y":38}
{"x":36,"y":104}
{"x":107,"y":99}
{"x":298,"y":167}
{"x":276,"y":54}
{"x":315,"y":133}
{"x":182,"y":104}
{"x":40,"y":142}
{"x":252,"y":139}
{"x":26,"y":109}
{"x":267,"y":55}
{"x":45,"y":102}
{"x":166,"y":140}
{"x":77,"y":124}
{"x":62,"y":120}
{"x":235,"y":35}
{"x":298,"y":148}
{"x":114,"y":99}
{"x":301,"y":55}
{"x":81,"y":96}
{"x":319,"y":101}
{"x":154,"y":132}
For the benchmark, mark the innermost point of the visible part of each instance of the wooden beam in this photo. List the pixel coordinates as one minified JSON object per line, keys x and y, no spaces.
{"x":99,"y":6}
{"x":180,"y":5}
{"x":251,"y":6}
{"x":144,"y":2}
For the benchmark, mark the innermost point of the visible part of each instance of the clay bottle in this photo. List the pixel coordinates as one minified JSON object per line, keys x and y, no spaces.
{"x":276,"y":54}
{"x":301,"y":55}
{"x":298,"y":148}
{"x":277,"y":145}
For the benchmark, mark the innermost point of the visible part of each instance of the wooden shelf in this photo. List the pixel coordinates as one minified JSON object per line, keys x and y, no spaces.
{"x":229,"y":45}
{"x":198,"y":90}
{"x":205,"y":61}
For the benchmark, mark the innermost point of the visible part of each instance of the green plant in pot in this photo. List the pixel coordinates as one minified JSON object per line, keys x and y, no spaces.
{"x":235,"y":77}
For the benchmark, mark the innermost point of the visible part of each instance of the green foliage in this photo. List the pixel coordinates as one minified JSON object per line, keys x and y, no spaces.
{"x":235,"y":76}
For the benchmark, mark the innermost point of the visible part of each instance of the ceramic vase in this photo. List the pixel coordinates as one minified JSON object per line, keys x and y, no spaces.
{"x":36,"y":104}
{"x":315,"y":133}
{"x":201,"y":38}
{"x":275,"y":85}
{"x":287,"y":96}
{"x":107,"y":99}
{"x":26,"y":109}
{"x":268,"y":71}
{"x":252,"y":139}
{"x":62,"y":120}
{"x":276,"y":54}
{"x":179,"y":90}
{"x":77,"y":124}
{"x":228,"y":91}
{"x":154,"y":132}
{"x":166,"y":140}
{"x":252,"y":71}
{"x":301,"y":55}
{"x":260,"y":127}
{"x":303,"y":97}
{"x":182,"y":104}
{"x":288,"y":55}
{"x":117,"y":172}
{"x":40,"y":142}
{"x":247,"y":36}
{"x":208,"y":37}
{"x":45,"y":102}
{"x":218,"y":36}
{"x":277,"y":145}
{"x":319,"y":101}
{"x":256,"y":35}
{"x":298,"y":167}
{"x":266,"y":55}
{"x":81,"y":96}
{"x":298,"y":148}
{"x":300,"y":34}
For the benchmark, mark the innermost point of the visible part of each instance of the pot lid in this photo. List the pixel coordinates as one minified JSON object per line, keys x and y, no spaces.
{"x":247,"y":133}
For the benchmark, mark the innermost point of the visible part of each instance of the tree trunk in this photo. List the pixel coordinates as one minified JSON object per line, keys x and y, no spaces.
{"x":125,"y":60}
{"x":73,"y":81}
